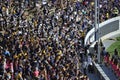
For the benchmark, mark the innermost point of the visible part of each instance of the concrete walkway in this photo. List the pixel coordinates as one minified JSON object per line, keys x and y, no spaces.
{"x":110,"y":40}
{"x":108,"y":43}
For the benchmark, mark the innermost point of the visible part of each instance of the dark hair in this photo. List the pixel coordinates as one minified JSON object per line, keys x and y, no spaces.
{"x":115,"y":52}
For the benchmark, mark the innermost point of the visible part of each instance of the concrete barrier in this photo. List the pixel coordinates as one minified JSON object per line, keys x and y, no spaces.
{"x":109,"y":26}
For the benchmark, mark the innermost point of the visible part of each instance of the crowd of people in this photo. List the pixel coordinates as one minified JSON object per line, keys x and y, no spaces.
{"x":112,"y":61}
{"x":42,"y":40}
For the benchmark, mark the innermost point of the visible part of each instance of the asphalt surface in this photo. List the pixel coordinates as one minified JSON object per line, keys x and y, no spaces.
{"x":93,"y":76}
{"x":109,"y":72}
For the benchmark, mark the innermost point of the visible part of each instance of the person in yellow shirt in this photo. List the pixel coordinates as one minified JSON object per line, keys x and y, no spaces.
{"x":107,"y":15}
{"x":115,"y":11}
{"x":19,"y":76}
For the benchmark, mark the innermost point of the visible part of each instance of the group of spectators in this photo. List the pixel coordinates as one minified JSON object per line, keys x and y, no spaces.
{"x":115,"y":63}
{"x":112,"y":62}
{"x":42,"y":40}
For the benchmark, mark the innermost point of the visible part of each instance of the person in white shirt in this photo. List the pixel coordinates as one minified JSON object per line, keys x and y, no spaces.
{"x":90,"y":64}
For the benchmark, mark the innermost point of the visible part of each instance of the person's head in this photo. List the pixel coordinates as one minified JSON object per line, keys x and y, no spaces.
{"x":103,"y":48}
{"x":107,"y":54}
{"x":115,"y":52}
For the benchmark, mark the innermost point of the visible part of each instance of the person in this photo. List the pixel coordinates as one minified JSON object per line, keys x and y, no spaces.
{"x":103,"y":54}
{"x":90,"y":64}
{"x":115,"y":11}
{"x":96,"y":47}
{"x":115,"y":57}
{"x":43,"y":35}
{"x":107,"y":59}
{"x":85,"y":67}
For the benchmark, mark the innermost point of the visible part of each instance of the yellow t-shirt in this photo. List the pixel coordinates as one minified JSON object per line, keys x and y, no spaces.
{"x":19,"y":76}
